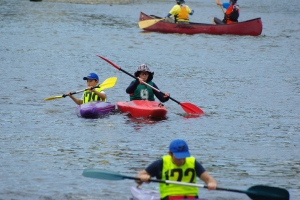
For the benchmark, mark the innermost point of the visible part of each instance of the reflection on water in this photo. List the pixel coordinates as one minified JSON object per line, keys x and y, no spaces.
{"x":138,"y":123}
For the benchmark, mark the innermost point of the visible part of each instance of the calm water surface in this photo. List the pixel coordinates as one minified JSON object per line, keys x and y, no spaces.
{"x":249,"y":88}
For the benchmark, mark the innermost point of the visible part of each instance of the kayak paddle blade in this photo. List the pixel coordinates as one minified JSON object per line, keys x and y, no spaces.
{"x":108,"y":83}
{"x":102,"y":174}
{"x":262,"y":192}
{"x":191,"y":108}
{"x":52,"y":98}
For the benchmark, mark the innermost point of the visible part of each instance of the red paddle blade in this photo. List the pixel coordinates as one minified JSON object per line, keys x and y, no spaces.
{"x":191,"y":108}
{"x":113,"y":64}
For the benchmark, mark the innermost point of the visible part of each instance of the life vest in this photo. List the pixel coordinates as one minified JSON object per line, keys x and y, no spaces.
{"x":89,"y":96}
{"x":143,"y":92}
{"x":232,"y":14}
{"x":185,"y":173}
{"x":183,"y":14}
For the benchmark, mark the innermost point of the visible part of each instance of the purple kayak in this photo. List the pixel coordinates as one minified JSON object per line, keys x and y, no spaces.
{"x":94,"y":109}
{"x":145,"y":194}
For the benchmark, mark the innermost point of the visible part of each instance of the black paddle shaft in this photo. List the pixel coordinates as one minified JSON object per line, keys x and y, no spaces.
{"x":150,"y":180}
{"x":65,"y":95}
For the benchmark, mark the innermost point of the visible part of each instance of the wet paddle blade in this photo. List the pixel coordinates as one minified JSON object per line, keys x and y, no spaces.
{"x":108,"y":83}
{"x":191,"y":108}
{"x":146,"y":23}
{"x":52,"y":98}
{"x":102,"y":174}
{"x":262,"y":192}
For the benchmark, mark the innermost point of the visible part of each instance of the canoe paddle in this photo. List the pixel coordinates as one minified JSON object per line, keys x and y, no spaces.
{"x":186,"y":106}
{"x":222,"y":9}
{"x":258,"y":192}
{"x":108,"y":83}
{"x":149,"y":22}
{"x":221,"y":5}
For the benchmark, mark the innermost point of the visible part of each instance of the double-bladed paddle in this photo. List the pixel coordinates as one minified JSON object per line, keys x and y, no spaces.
{"x":257,"y":192}
{"x":108,"y":83}
{"x":186,"y":106}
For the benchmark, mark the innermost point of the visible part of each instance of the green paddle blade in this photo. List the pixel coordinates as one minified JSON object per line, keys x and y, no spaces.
{"x":262,"y":192}
{"x":102,"y":174}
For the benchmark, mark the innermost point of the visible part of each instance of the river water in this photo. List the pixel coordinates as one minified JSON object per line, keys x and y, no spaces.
{"x":249,"y":88}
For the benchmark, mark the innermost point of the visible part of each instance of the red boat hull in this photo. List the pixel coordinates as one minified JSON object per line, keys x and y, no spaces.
{"x":251,"y":27}
{"x":142,"y":108}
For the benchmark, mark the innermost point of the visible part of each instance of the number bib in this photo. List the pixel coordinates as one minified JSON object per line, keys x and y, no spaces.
{"x":185,"y":173}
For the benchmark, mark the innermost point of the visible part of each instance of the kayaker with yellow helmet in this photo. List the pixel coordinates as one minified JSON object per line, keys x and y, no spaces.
{"x":139,"y":91}
{"x":178,"y":165}
{"x":96,"y":94}
{"x":181,"y":12}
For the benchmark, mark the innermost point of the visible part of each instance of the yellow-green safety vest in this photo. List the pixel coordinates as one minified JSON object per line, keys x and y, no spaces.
{"x":89,"y":96}
{"x":185,"y":173}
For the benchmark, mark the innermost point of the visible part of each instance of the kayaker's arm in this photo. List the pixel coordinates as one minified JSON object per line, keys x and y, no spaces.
{"x":163,"y":97}
{"x":102,"y":95}
{"x":153,"y":170}
{"x":144,"y":176}
{"x":209,"y":180}
{"x":77,"y":101}
{"x":219,"y":3}
{"x":132,"y":87}
{"x":224,"y":5}
{"x":168,"y":15}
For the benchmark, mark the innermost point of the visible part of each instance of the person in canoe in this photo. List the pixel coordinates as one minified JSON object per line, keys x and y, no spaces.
{"x":91,"y":94}
{"x":180,"y":12}
{"x":232,"y":12}
{"x":178,"y":165}
{"x":139,"y":91}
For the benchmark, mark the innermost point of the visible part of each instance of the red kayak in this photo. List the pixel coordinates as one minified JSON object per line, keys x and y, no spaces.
{"x":143,"y":108}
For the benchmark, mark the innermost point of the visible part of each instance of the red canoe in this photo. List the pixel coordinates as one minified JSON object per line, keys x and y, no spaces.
{"x":142,"y":108}
{"x":251,"y":27}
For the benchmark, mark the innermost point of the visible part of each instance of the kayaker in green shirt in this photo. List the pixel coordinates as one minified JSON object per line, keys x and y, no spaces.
{"x":96,"y":94}
{"x":178,"y":165}
{"x":139,"y":91}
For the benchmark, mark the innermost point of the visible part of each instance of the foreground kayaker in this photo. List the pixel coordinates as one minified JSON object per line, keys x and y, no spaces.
{"x":139,"y":91}
{"x":180,"y":12}
{"x":232,"y":12}
{"x":178,"y":165}
{"x":96,"y":94}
